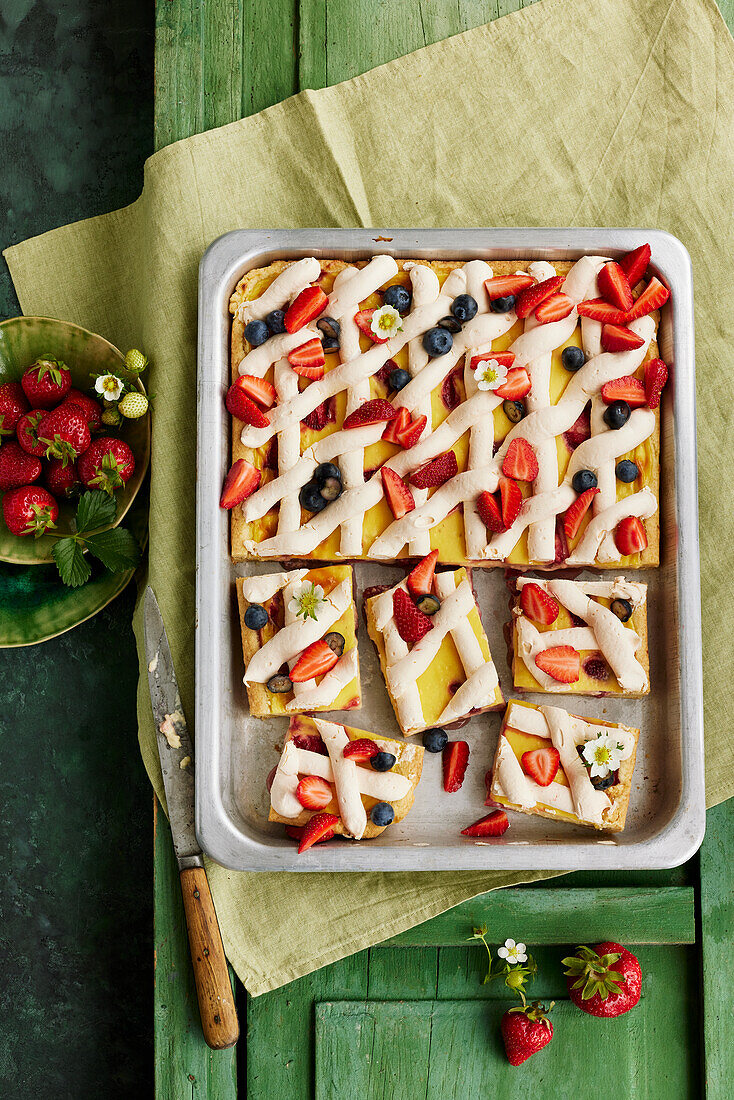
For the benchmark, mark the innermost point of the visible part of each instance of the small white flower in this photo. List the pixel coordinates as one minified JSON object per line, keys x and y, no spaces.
{"x":306,"y":600}
{"x":604,"y":753}
{"x":513,"y":952}
{"x":110,"y":386}
{"x":490,"y":374}
{"x":386,"y":321}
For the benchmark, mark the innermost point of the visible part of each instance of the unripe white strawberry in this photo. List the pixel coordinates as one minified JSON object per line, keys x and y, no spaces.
{"x":111,"y":417}
{"x":133,"y":405}
{"x":135,"y":361}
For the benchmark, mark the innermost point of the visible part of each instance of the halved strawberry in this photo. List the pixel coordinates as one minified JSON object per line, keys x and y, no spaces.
{"x":630,"y":536}
{"x":510,"y":500}
{"x":309,"y":304}
{"x":319,"y":827}
{"x":656,"y":375}
{"x":259,"y":389}
{"x":455,"y":760}
{"x":620,"y":338}
{"x":554,"y":308}
{"x":363,"y":321}
{"x":313,"y":792}
{"x":401,"y":421}
{"x":420,"y":579}
{"x":614,"y":286}
{"x":653,"y":297}
{"x":241,"y":406}
{"x":494,"y":824}
{"x":489,"y":512}
{"x":635,"y":263}
{"x":627,"y":389}
{"x":409,"y":435}
{"x":538,"y":604}
{"x":504,"y":358}
{"x":562,"y":662}
{"x":412,"y":624}
{"x":517,"y":384}
{"x":600,"y":310}
{"x":520,"y":462}
{"x":372,"y":412}
{"x":577,"y":511}
{"x":399,"y":496}
{"x":308,"y":359}
{"x":541,"y":764}
{"x":530,"y":298}
{"x":361,"y":749}
{"x":316,"y":660}
{"x":501,"y":286}
{"x":438,"y":472}
{"x":240,"y":483}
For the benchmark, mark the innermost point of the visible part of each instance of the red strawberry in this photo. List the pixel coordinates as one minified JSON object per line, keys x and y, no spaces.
{"x":600,"y":310}
{"x":489,"y":513}
{"x":656,"y":375}
{"x":614,"y":286}
{"x":538,"y":604}
{"x":308,"y":359}
{"x":561,"y":545}
{"x":313,"y":792}
{"x":579,"y":431}
{"x":562,"y":662}
{"x":13,"y":405}
{"x":29,"y":510}
{"x":412,"y":624}
{"x":653,"y":297}
{"x":504,"y":358}
{"x":554,"y":308}
{"x":308,"y":305}
{"x":501,"y":286}
{"x":627,"y":389}
{"x":258,"y":389}
{"x":61,"y":480}
{"x":517,"y":384}
{"x":438,"y":472}
{"x":363,"y":321}
{"x":511,"y":501}
{"x":525,"y":1031}
{"x":27,"y":433}
{"x":620,"y":338}
{"x":311,"y":742}
{"x":319,"y":827}
{"x":606,"y":981}
{"x":316,"y":660}
{"x":46,"y":382}
{"x":577,"y":511}
{"x":65,"y":432}
{"x":494,"y":824}
{"x":399,"y":424}
{"x":361,"y":749}
{"x":16,"y":466}
{"x":530,"y":298}
{"x":635,"y":263}
{"x":243,"y":407}
{"x":455,"y":760}
{"x":541,"y":764}
{"x":295,"y":832}
{"x":520,"y":461}
{"x":372,"y":412}
{"x":108,"y":464}
{"x":409,"y":435}
{"x":323,"y":414}
{"x":399,"y":496}
{"x":91,"y":408}
{"x":240,"y":483}
{"x":630,"y":536}
{"x":420,"y":580}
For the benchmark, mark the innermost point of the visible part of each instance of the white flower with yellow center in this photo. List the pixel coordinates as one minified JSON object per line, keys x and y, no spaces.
{"x":604,"y":754}
{"x":513,"y":952}
{"x":489,"y":374}
{"x":306,"y":600}
{"x":386,"y":321}
{"x":110,"y":386}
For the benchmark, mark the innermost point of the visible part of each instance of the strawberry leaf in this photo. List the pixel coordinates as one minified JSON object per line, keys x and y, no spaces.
{"x":95,"y":509}
{"x":116,"y":549}
{"x":74,"y":569}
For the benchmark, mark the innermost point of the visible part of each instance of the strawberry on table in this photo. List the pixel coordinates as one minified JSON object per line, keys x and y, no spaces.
{"x":502,"y":286}
{"x":630,"y":536}
{"x":242,"y":406}
{"x":13,"y":405}
{"x":538,"y":604}
{"x":17,"y":467}
{"x":26,"y":432}
{"x":494,"y":824}
{"x":541,"y":764}
{"x":490,"y":513}
{"x":656,"y":375}
{"x":46,"y":382}
{"x":372,"y":412}
{"x":653,"y":297}
{"x":308,"y":359}
{"x":65,"y":432}
{"x":455,"y":760}
{"x":411,"y":623}
{"x":576,"y":512}
{"x":363,"y":748}
{"x":399,"y":496}
{"x":530,"y":298}
{"x":319,"y":827}
{"x":91,"y":408}
{"x":316,"y":660}
{"x":520,"y":462}
{"x":627,"y":389}
{"x":517,"y":384}
{"x":313,"y":792}
{"x":620,"y":338}
{"x":306,"y":307}
{"x":636,"y":263}
{"x":554,"y":308}
{"x":614,"y":286}
{"x":29,"y":510}
{"x":562,"y":662}
{"x":107,"y":464}
{"x":511,"y":501}
{"x":525,"y":1031}
{"x":240,"y":483}
{"x":437,"y":472}
{"x":605,"y":981}
{"x":420,"y":579}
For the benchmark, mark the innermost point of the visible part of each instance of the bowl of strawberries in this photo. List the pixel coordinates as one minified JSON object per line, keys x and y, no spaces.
{"x":73,"y":418}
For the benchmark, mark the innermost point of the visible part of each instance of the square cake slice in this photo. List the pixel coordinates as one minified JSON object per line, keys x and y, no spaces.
{"x":580,"y":637}
{"x":447,"y":673}
{"x":595,"y":761}
{"x":314,"y":751}
{"x":300,"y":623}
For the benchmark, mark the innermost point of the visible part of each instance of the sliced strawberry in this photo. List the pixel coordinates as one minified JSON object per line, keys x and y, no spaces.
{"x":308,"y":359}
{"x":438,"y":472}
{"x":240,"y":483}
{"x":319,"y":827}
{"x":620,"y":338}
{"x":541,"y":764}
{"x":635,"y":263}
{"x":504,"y":358}
{"x":420,"y":579}
{"x":530,"y":298}
{"x":630,"y":536}
{"x":308,"y":305}
{"x":313,"y":792}
{"x":312,"y":742}
{"x":489,"y":512}
{"x":363,"y":321}
{"x":554,"y":308}
{"x":517,"y":384}
{"x":627,"y":389}
{"x":316,"y":660}
{"x":372,"y":412}
{"x":579,"y":431}
{"x":501,"y":286}
{"x":494,"y":824}
{"x":241,"y":406}
{"x":323,"y":414}
{"x":361,"y":749}
{"x":538,"y":604}
{"x":562,"y":662}
{"x":656,"y":375}
{"x":411,"y":433}
{"x":520,"y":462}
{"x":399,"y":496}
{"x":412,"y":624}
{"x":653,"y":297}
{"x":399,"y":424}
{"x":510,"y":500}
{"x":614,"y":286}
{"x":259,"y":389}
{"x":455,"y":760}
{"x":600,"y":310}
{"x":577,"y":511}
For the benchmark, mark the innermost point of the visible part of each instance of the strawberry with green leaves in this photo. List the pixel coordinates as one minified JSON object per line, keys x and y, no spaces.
{"x":46,"y":382}
{"x":526,"y":1030}
{"x":65,"y":433}
{"x":26,"y":432}
{"x":108,"y":464}
{"x":606,"y":981}
{"x":29,"y":510}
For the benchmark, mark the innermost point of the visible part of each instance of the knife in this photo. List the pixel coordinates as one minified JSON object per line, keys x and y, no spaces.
{"x":213,"y":989}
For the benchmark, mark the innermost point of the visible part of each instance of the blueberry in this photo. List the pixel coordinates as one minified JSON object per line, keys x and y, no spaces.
{"x":256,"y":333}
{"x":503,"y":305}
{"x":311,"y":498}
{"x":330,"y":343}
{"x":600,"y":784}
{"x":326,"y":469}
{"x":255,"y":617}
{"x":450,"y":324}
{"x":583,"y":480}
{"x":429,"y":605}
{"x":276,"y":321}
{"x":399,"y":297}
{"x":383,"y":761}
{"x":438,"y":341}
{"x":398,"y":379}
{"x":279,"y":684}
{"x":617,"y":414}
{"x":335,"y":641}
{"x":622,"y":609}
{"x":331,"y":488}
{"x":382,"y":813}
{"x":573,"y":358}
{"x":464,"y":308}
{"x":626,"y":470}
{"x":435,"y":740}
{"x":329,"y":327}
{"x":514,"y":411}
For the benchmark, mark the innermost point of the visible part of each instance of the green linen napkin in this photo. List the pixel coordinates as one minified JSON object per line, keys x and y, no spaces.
{"x":566,"y":113}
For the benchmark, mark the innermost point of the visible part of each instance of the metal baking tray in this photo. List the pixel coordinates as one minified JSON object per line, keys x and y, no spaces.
{"x":234,"y":752}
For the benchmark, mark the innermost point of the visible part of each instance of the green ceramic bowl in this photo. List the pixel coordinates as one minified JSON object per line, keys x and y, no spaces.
{"x":22,"y":341}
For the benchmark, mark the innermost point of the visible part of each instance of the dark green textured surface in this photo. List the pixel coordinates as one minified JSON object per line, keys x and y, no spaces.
{"x":75,"y":910}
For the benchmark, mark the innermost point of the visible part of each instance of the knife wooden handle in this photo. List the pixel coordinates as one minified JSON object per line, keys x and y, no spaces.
{"x":213,"y":989}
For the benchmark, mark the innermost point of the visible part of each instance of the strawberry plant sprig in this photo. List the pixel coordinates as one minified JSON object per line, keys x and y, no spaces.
{"x":513,"y":964}
{"x":116,"y":548}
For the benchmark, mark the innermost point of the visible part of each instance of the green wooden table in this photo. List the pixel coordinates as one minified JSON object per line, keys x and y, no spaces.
{"x":410,"y":1017}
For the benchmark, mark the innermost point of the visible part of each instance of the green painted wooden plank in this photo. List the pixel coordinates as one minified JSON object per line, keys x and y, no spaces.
{"x":179,"y":94}
{"x":223,"y":43}
{"x":717,"y":936}
{"x":414,"y":972}
{"x":269,"y":53}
